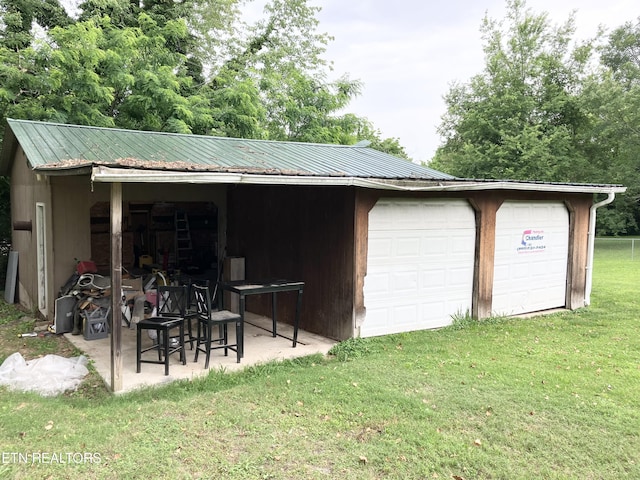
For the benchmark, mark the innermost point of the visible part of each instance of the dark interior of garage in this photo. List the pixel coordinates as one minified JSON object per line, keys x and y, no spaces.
{"x":173,"y":237}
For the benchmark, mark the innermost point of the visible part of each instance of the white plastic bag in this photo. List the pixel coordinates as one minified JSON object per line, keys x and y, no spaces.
{"x":49,"y":375}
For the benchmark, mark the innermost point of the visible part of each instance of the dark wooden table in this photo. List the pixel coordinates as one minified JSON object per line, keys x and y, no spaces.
{"x":248,"y":287}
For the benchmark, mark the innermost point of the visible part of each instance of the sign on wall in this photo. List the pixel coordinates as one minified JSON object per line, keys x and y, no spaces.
{"x":533,"y":241}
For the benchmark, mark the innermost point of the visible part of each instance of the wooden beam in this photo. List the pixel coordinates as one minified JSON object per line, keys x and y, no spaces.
{"x":24,"y":225}
{"x":364,"y":202}
{"x":579,"y":211}
{"x":116,"y":287}
{"x":486,"y":208}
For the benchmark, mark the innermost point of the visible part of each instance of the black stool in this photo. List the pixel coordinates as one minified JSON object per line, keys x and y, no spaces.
{"x":163,"y":327}
{"x":208,"y":319}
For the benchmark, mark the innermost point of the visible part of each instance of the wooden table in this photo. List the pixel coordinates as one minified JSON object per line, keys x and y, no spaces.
{"x":247,"y":287}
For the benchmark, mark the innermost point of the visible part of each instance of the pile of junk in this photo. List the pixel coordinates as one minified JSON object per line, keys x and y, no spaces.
{"x":83,"y":305}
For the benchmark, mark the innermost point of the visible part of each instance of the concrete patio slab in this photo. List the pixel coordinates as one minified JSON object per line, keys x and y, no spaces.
{"x":259,"y":347}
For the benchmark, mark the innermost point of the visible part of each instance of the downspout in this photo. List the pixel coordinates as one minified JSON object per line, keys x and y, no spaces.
{"x":592,"y":238}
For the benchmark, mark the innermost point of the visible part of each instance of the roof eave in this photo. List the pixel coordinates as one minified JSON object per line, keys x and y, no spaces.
{"x":111,"y":175}
{"x":58,"y":172}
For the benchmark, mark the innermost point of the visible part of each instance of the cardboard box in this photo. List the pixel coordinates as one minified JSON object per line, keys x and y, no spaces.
{"x":132,"y":288}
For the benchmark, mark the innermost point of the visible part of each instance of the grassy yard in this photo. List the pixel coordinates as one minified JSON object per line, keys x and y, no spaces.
{"x":553,"y":397}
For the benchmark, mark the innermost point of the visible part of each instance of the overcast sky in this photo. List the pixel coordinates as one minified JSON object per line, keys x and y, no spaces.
{"x":408,"y":52}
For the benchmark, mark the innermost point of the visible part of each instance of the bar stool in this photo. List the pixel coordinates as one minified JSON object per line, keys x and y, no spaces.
{"x":163,"y":327}
{"x":208,"y":318}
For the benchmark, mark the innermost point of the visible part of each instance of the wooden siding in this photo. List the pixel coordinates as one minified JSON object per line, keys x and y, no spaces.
{"x":70,"y":225}
{"x":26,"y":190}
{"x":298,"y":233}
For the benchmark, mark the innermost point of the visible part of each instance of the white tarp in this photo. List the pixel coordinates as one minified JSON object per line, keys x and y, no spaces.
{"x":49,"y":375}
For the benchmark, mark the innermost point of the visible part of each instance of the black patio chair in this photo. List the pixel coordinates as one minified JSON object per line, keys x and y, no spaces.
{"x":173,"y":301}
{"x":163,"y":327}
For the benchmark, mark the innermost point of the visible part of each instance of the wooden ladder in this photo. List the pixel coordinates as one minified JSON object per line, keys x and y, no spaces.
{"x":183,"y":238}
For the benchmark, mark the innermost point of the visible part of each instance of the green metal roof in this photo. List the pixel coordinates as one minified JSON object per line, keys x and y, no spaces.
{"x":60,"y":148}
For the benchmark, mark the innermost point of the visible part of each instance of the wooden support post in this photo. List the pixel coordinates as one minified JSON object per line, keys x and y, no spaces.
{"x":116,"y":287}
{"x":579,"y":210}
{"x":364,"y":202}
{"x":486,"y":209}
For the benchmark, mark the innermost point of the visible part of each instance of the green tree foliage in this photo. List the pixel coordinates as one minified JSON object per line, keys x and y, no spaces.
{"x":190,"y":66}
{"x":519,"y":118}
{"x":5,"y":212}
{"x":545,"y":109}
{"x":187,"y":66}
{"x":95,"y":72}
{"x":612,"y":98}
{"x":18,"y":17}
{"x":366,"y":131}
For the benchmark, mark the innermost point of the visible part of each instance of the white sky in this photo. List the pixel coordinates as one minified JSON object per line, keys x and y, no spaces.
{"x":408,"y":52}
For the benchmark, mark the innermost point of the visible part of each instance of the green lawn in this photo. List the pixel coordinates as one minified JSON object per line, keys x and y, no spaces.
{"x":555,"y":397}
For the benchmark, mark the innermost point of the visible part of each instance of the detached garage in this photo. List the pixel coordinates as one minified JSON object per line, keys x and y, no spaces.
{"x":383,"y":245}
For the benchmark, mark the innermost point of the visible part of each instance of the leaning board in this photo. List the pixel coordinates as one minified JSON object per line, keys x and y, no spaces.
{"x":12,"y":277}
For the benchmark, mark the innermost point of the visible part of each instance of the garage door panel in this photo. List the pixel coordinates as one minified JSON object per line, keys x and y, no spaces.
{"x":499,"y":271}
{"x":406,"y":314}
{"x":378,"y":283}
{"x":432,"y":279}
{"x":530,"y":271}
{"x":404,"y":282}
{"x":434,"y":245}
{"x":460,"y":244}
{"x":378,"y":319}
{"x":425,"y":250}
{"x":407,"y":247}
{"x":380,"y":247}
{"x":459,"y":276}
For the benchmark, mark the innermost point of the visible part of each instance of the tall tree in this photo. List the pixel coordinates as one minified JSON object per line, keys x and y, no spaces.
{"x":612,"y":96}
{"x":185,"y":66}
{"x":18,"y":17}
{"x":520,"y":118}
{"x":281,"y":57}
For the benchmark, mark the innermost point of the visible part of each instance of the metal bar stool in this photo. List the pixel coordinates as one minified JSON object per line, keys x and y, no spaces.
{"x":163,"y":343}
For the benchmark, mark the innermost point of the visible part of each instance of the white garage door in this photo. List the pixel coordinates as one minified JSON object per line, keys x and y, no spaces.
{"x":532,"y":245}
{"x":419,"y":265}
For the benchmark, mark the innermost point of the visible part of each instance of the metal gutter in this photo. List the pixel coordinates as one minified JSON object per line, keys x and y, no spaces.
{"x":591,"y":245}
{"x":59,"y":172}
{"x":126,"y":175}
